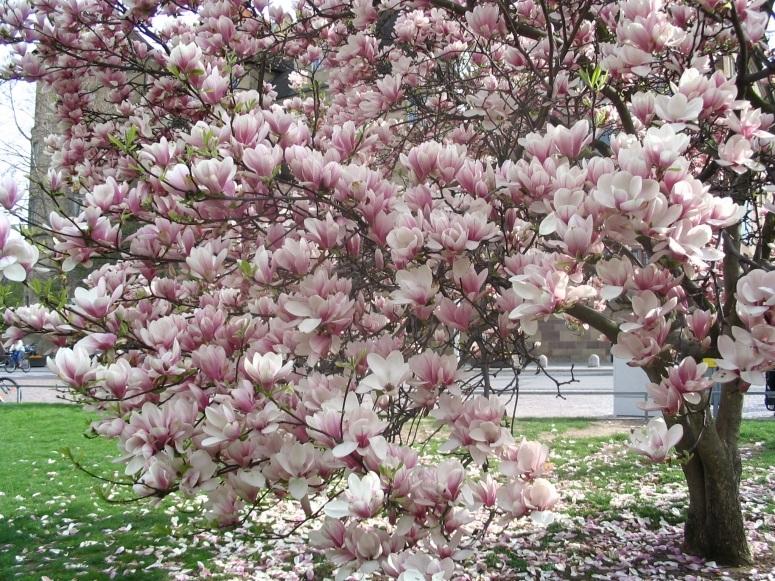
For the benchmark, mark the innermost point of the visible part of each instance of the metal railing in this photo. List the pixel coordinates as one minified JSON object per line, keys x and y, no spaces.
{"x":9,"y":385}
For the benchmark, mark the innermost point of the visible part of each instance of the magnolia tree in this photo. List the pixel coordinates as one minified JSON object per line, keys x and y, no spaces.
{"x":282,"y":289}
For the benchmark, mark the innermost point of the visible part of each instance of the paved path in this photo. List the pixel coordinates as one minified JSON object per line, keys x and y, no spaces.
{"x":538,"y":397}
{"x":39,"y":385}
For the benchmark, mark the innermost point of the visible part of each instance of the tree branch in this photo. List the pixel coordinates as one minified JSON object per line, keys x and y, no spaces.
{"x":621,"y":108}
{"x":731,"y":268}
{"x":596,"y":320}
{"x":769,"y":69}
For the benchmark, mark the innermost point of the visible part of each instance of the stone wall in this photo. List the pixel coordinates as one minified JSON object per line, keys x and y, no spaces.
{"x":562,"y":344}
{"x":40,"y":205}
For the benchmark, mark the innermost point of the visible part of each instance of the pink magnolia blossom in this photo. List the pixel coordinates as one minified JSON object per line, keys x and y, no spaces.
{"x":648,"y":310}
{"x":482,"y":492}
{"x":543,"y":294}
{"x":387,"y":373}
{"x":741,"y":357}
{"x":152,"y":430}
{"x":17,"y":256}
{"x":159,"y":476}
{"x":636,"y":348}
{"x":458,"y":316}
{"x":73,"y":366}
{"x":527,"y":459}
{"x":97,"y":301}
{"x":431,"y":369}
{"x":624,"y":191}
{"x":298,"y":461}
{"x":216,"y":176}
{"x":187,"y":58}
{"x":700,"y":323}
{"x":643,"y":107}
{"x":422,"y":160}
{"x":689,"y":242}
{"x":578,"y":236}
{"x":664,"y":145}
{"x":471,"y":282}
{"x":477,"y":428}
{"x":571,"y":141}
{"x":485,"y":20}
{"x":664,"y":397}
{"x":688,"y":378}
{"x":206,"y":261}
{"x":404,"y":244}
{"x":415,"y":286}
{"x":199,"y":475}
{"x":222,"y":425}
{"x":362,"y":433}
{"x":655,"y":440}
{"x":677,"y":109}
{"x":756,"y":296}
{"x":737,"y":153}
{"x":511,"y":499}
{"x":96,"y":343}
{"x":10,"y":194}
{"x":325,"y":233}
{"x":211,"y":360}
{"x":267,"y":369}
{"x":262,"y":160}
{"x":362,"y":498}
{"x":414,"y":566}
{"x":214,"y":87}
{"x":615,"y":274}
{"x":748,"y":123}
{"x":541,"y":495}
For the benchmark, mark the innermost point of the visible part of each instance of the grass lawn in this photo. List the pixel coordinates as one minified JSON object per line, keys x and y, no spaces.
{"x":54,"y":524}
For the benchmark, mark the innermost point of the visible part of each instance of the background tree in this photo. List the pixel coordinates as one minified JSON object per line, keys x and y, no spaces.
{"x":279,"y":287}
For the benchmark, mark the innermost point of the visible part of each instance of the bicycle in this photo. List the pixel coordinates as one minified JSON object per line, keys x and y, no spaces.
{"x":7,"y":385}
{"x":17,"y":360}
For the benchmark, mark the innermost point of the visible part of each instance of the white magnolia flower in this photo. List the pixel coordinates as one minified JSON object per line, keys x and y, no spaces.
{"x":678,"y":109}
{"x":362,"y":499}
{"x":267,"y":368}
{"x":655,"y":440}
{"x":387,"y":373}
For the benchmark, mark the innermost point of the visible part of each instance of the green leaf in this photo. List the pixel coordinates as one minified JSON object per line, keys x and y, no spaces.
{"x":247,"y":269}
{"x":595,"y":78}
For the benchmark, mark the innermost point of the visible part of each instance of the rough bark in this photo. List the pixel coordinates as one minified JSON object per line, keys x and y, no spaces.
{"x":714,"y":525}
{"x":714,"y":528}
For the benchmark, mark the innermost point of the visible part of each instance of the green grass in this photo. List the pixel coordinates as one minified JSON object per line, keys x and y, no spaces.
{"x":53,"y":522}
{"x":531,"y":428}
{"x":502,"y":557}
{"x":45,"y":496}
{"x":754,"y":431}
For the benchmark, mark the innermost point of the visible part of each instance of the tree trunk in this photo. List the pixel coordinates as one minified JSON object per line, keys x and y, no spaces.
{"x":714,"y":524}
